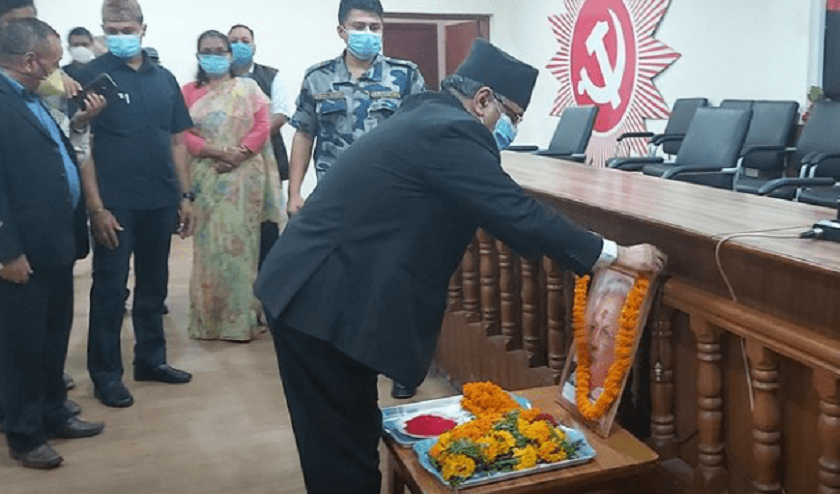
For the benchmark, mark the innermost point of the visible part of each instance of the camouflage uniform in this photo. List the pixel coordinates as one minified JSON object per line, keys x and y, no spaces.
{"x":336,"y":110}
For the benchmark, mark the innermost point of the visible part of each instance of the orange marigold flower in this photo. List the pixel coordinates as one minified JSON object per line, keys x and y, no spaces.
{"x":550,"y":452}
{"x":481,"y":398}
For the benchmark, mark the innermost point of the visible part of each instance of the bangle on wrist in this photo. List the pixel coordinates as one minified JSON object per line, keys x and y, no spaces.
{"x":96,"y":211}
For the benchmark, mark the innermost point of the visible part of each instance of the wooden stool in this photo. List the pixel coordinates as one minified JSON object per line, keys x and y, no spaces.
{"x":619,"y":456}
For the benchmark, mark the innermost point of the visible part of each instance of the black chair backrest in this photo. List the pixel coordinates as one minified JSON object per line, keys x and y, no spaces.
{"x":715,"y":137}
{"x":822,"y":134}
{"x":742,"y":104}
{"x":573,"y":130}
{"x":772,"y":125}
{"x":680,"y":119}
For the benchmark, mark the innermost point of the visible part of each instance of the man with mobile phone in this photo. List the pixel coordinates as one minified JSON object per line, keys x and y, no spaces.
{"x":42,"y":232}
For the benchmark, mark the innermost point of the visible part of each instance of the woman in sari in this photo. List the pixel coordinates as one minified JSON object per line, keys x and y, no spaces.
{"x":236,"y":186}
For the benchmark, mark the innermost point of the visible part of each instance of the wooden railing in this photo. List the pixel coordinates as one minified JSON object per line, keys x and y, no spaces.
{"x":744,"y":395}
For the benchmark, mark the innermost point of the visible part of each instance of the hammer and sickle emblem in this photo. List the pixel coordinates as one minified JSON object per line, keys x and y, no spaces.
{"x":613,"y":76}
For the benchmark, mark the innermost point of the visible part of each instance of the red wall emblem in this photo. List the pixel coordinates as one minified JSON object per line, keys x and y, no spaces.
{"x":608,"y":58}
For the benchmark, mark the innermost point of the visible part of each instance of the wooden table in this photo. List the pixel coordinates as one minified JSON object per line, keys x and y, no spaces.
{"x":619,"y":456}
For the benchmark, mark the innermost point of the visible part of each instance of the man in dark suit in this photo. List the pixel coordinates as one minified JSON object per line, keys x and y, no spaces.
{"x":356,"y":286}
{"x":42,"y":232}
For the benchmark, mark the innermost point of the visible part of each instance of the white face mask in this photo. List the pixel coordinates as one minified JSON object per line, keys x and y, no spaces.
{"x":81,"y":54}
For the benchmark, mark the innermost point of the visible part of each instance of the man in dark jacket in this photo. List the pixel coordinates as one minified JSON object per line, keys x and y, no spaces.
{"x":357,"y":284}
{"x":42,"y":233}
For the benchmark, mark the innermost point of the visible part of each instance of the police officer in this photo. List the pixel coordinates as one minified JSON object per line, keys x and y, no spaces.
{"x":344,"y":98}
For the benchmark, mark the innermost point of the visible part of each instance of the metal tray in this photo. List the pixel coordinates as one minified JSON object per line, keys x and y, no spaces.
{"x":394,"y":417}
{"x":585,"y":454}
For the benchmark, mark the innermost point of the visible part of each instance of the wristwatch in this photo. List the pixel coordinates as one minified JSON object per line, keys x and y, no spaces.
{"x":190,"y":196}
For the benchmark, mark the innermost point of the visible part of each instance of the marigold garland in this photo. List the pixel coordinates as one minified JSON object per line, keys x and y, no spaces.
{"x":625,"y":339}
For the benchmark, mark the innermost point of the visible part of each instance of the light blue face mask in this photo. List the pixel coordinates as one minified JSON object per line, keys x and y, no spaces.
{"x":364,"y":45}
{"x":243,"y":54}
{"x":124,"y":46}
{"x":214,"y":65}
{"x":505,"y":132}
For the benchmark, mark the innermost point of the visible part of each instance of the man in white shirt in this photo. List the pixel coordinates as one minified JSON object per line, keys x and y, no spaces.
{"x":242,"y":42}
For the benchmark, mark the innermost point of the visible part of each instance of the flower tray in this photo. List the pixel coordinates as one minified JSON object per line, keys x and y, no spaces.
{"x":584,"y":453}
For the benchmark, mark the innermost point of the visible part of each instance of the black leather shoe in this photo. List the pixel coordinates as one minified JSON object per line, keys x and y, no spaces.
{"x":402,"y":392}
{"x":161,"y":373}
{"x":68,"y":381}
{"x":43,"y":457}
{"x":76,"y":428}
{"x":73,"y":407}
{"x":114,"y":395}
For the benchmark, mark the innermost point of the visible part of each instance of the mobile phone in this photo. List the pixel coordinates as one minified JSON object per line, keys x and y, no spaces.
{"x":102,"y":85}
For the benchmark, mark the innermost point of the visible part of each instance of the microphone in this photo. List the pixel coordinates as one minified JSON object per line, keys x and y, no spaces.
{"x":825,"y":229}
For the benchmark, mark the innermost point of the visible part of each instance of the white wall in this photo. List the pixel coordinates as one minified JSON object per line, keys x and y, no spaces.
{"x":750,"y":49}
{"x":730,"y":48}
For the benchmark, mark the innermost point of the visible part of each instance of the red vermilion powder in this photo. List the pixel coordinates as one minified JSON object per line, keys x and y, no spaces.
{"x":429,"y":425}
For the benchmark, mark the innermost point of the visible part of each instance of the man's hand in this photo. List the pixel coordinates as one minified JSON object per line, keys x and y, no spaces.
{"x":187,"y":218}
{"x":643,"y":258}
{"x":105,"y":228}
{"x":17,"y":271}
{"x":94,"y":104}
{"x":70,"y":85}
{"x":294,"y":204}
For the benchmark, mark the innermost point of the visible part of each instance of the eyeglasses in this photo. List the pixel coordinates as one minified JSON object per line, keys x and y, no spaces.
{"x":515,"y":117}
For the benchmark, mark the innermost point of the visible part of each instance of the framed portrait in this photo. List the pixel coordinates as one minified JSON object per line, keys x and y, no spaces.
{"x":607,"y":298}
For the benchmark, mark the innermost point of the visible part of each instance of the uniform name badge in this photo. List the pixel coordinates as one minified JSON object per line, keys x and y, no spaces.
{"x":384,"y":94}
{"x":326,"y":96}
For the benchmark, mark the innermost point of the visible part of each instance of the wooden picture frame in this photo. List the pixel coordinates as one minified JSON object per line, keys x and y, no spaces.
{"x":608,"y":291}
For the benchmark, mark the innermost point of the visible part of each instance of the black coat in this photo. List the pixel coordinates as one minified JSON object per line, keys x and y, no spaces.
{"x":365,"y":265}
{"x":37,"y":215}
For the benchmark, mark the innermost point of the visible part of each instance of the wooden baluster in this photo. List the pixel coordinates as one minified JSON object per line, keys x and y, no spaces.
{"x":531,"y":312}
{"x":767,"y":419}
{"x":489,"y":283}
{"x":711,"y":474}
{"x":828,"y":428}
{"x":469,"y":280}
{"x":663,"y":435}
{"x":508,"y":297}
{"x":558,"y":337}
{"x":456,"y":291}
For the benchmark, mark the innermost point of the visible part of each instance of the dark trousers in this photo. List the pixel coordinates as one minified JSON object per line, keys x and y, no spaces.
{"x":146,"y":234}
{"x":336,"y":420}
{"x":35,"y":321}
{"x":269,"y":233}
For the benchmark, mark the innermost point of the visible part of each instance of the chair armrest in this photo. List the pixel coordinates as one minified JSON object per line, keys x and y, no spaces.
{"x":786,"y":183}
{"x":633,"y":164}
{"x":820,"y":157}
{"x":679,"y":170}
{"x":759,"y":148}
{"x":525,"y":148}
{"x":635,"y":135}
{"x":663,"y":138}
{"x":580,"y":158}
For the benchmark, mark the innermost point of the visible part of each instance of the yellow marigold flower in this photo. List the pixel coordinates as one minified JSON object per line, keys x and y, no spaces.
{"x":527,"y":457}
{"x":549,"y":452}
{"x":539,"y":432}
{"x":460,"y":466}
